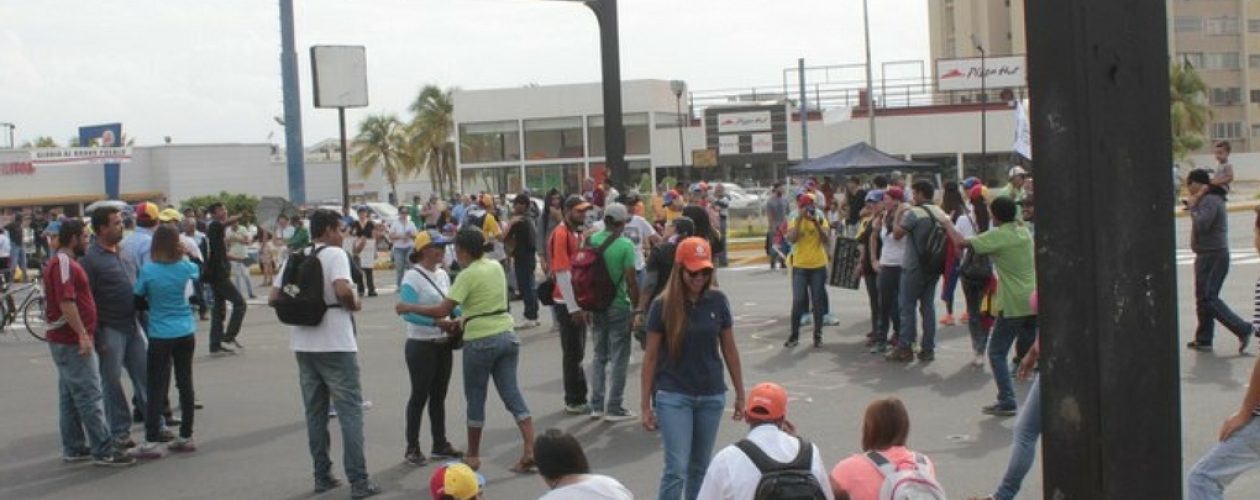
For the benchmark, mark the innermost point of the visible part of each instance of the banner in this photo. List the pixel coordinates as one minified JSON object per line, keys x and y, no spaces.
{"x":752,"y":121}
{"x":52,"y":156}
{"x":106,"y":135}
{"x":1023,"y":130}
{"x":965,"y":74}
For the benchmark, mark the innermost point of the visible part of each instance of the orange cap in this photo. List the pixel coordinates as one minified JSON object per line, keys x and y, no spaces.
{"x":766,"y":402}
{"x":694,"y":254}
{"x":147,"y":211}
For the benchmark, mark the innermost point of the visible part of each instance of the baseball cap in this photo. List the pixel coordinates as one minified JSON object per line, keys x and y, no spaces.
{"x":669,"y":197}
{"x":430,"y":237}
{"x":978,"y":192}
{"x":170,"y":215}
{"x":456,"y":480}
{"x":694,"y":254}
{"x":805,"y":199}
{"x":53,"y":228}
{"x":969,"y":182}
{"x":896,"y":193}
{"x":617,"y":213}
{"x":875,"y":195}
{"x":146,"y":211}
{"x":575,"y":202}
{"x":767,"y":401}
{"x":1016,"y":170}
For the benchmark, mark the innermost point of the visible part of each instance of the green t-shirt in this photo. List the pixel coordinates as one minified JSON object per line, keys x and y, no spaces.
{"x":481,"y":288}
{"x":1011,"y":248}
{"x":618,"y":258}
{"x":417,"y":217}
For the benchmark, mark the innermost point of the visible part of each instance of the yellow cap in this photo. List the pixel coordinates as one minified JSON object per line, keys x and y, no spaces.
{"x":170,"y":215}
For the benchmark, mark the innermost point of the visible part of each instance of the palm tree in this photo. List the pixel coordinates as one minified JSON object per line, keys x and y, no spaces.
{"x":1189,"y":112}
{"x":41,"y":142}
{"x":380,"y":144}
{"x":431,"y":131}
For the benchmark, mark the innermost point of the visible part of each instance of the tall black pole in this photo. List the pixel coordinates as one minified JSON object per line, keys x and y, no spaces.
{"x":682,"y":154}
{"x":292,"y":107}
{"x":614,"y":129}
{"x":800,"y":70}
{"x":345,"y":165}
{"x":984,"y":114}
{"x":1110,"y":378}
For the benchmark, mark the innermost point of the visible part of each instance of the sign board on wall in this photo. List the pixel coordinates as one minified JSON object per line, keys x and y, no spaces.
{"x":702,"y":158}
{"x":108,"y":135}
{"x":339,"y":76}
{"x":762,"y":143}
{"x":747,"y":134}
{"x":965,"y":74}
{"x":728,"y":145}
{"x":753,"y":121}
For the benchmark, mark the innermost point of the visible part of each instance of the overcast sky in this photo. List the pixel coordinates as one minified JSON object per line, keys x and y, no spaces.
{"x":205,"y":72}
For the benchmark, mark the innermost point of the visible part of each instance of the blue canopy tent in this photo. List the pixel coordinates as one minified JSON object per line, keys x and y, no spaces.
{"x":860,"y":159}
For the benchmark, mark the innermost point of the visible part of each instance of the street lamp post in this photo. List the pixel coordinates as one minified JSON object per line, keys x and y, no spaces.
{"x":678,"y":86}
{"x":984,"y":108}
{"x":610,"y":53}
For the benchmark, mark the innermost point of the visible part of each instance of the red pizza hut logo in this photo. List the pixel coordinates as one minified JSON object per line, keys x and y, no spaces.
{"x":954,"y":73}
{"x":17,"y":168}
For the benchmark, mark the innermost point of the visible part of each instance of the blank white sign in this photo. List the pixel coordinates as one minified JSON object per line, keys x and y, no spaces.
{"x":339,"y":73}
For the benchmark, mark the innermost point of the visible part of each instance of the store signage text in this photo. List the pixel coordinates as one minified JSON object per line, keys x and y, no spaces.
{"x":17,"y":168}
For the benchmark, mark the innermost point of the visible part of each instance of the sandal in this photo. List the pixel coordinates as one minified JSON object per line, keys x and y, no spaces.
{"x":524,"y":466}
{"x":473,"y":463}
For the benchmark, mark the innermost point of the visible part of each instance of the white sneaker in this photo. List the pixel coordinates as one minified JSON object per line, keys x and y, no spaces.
{"x":147,"y":450}
{"x":978,"y":361}
{"x":527,"y":324}
{"x":367,"y":405}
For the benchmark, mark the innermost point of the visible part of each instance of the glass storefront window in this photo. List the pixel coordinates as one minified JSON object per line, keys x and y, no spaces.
{"x":640,"y":174}
{"x":487,"y":142}
{"x":553,"y":138}
{"x":638,"y":135}
{"x":567,"y":178}
{"x":494,"y":180}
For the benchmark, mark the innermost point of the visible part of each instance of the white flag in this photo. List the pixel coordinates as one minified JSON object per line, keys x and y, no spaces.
{"x":1023,"y":130}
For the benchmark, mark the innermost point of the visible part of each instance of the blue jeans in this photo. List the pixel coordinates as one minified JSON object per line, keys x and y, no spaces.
{"x":123,"y":351}
{"x":611,"y":334}
{"x":399,"y":256}
{"x":974,"y":294}
{"x":1005,"y":333}
{"x":688,"y":427}
{"x":494,"y":356}
{"x":889,"y":284}
{"x":808,"y":290}
{"x":523,"y":266}
{"x":240,"y":274}
{"x":1024,"y":446}
{"x":1210,"y":269}
{"x":917,"y":290}
{"x":1224,"y":463}
{"x":335,"y":376}
{"x":79,"y":396}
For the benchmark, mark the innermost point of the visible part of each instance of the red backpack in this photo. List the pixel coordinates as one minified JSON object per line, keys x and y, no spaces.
{"x":592,"y":283}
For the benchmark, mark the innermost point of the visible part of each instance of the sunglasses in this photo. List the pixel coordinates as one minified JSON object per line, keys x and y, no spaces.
{"x":703,"y":272}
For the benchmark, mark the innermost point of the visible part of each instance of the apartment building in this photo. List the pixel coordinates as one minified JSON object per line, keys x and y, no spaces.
{"x":1221,"y":38}
{"x":957,"y":26}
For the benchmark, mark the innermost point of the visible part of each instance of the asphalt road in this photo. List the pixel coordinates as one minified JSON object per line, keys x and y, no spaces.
{"x":253,"y":443}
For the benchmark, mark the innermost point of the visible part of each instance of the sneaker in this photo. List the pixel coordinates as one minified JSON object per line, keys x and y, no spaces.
{"x":619,"y":415}
{"x":528,"y":324}
{"x":414,"y":457}
{"x":791,"y":343}
{"x":165,"y":436}
{"x":326,"y":483}
{"x":222,"y":351}
{"x":978,"y":361}
{"x":596,"y":414}
{"x":197,"y":405}
{"x":236,"y":343}
{"x":1244,"y":341}
{"x":125,"y":443}
{"x":147,"y":450}
{"x":446,"y":451}
{"x":878,"y":348}
{"x":364,"y":489}
{"x":582,"y":409}
{"x":332,"y":411}
{"x":947,"y":320}
{"x":829,"y":320}
{"x":927,"y":355}
{"x":1199,"y":346}
{"x":80,"y":456}
{"x":172,"y":420}
{"x":817,"y":342}
{"x":900,"y":355}
{"x":115,"y":459}
{"x":367,"y":405}
{"x":807,"y":319}
{"x":182,"y":445}
{"x":998,"y":410}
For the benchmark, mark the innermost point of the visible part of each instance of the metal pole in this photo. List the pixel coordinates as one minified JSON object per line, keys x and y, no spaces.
{"x":984,"y":113}
{"x":293,"y":149}
{"x":800,"y":66}
{"x":682,"y":155}
{"x":614,"y":129}
{"x":870,"y":87}
{"x":1110,"y":374}
{"x":345,"y":165}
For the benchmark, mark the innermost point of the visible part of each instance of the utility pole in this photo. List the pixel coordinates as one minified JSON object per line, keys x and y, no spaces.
{"x":800,"y":70}
{"x":614,"y":130}
{"x":870,"y":85}
{"x":984,"y":108}
{"x":1110,"y":380}
{"x":293,"y":149}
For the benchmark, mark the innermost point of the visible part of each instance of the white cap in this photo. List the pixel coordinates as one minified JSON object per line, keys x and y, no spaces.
{"x":617,"y":213}
{"x":1016,"y":170}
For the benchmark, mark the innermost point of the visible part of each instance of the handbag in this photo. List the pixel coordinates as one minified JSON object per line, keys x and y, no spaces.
{"x":546,"y":291}
{"x":976,"y":269}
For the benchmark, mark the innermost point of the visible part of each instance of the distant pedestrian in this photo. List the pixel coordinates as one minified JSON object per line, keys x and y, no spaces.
{"x":854,"y":202}
{"x":1209,"y":238}
{"x":809,"y":233}
{"x":402,"y":234}
{"x":366,"y":233}
{"x":885,"y":433}
{"x":955,"y":208}
{"x":218,"y":275}
{"x":890,"y":253}
{"x":521,"y":244}
{"x":563,"y":247}
{"x":1235,"y":453}
{"x":563,"y":466}
{"x":867,"y":239}
{"x":917,"y":296}
{"x":611,"y":327}
{"x":1224,"y":175}
{"x":776,"y":216}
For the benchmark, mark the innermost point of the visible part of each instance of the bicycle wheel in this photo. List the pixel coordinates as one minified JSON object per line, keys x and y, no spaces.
{"x":33,"y":316}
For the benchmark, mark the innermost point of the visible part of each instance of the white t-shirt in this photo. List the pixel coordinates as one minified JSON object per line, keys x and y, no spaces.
{"x":336,"y":332}
{"x":733,"y":476}
{"x":639,"y":230}
{"x":894,"y":252}
{"x":966,"y":225}
{"x":402,"y":234}
{"x":594,"y":487}
{"x":6,"y":246}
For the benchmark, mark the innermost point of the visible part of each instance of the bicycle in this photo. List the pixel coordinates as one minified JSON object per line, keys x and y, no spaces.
{"x":31,"y":307}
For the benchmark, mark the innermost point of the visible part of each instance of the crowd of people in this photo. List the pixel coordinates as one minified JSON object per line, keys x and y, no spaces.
{"x":614,"y":268}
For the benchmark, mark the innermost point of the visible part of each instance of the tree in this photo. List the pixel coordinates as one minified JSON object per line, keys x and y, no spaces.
{"x":430,"y":133}
{"x":234,"y":203}
{"x":381,"y":144}
{"x":1189,"y":111}
{"x":41,"y":142}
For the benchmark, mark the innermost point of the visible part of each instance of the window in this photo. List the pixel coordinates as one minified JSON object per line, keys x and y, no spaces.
{"x":489,"y":142}
{"x":1224,"y":96}
{"x":495,"y":180}
{"x":1253,"y":61}
{"x":1194,"y":59}
{"x":1255,"y":97}
{"x":1253,"y":25}
{"x":567,"y":177}
{"x":1226,"y":130}
{"x":1222,"y":25}
{"x":553,"y":138}
{"x":1188,"y":24}
{"x":638,"y":137}
{"x":1255,"y":130}
{"x":1220,"y":60}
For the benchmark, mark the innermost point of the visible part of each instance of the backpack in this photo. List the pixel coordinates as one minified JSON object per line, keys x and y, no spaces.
{"x":976,"y":269}
{"x":784,"y":481}
{"x":932,"y":256}
{"x":301,"y":301}
{"x":592,"y":282}
{"x":913,"y":483}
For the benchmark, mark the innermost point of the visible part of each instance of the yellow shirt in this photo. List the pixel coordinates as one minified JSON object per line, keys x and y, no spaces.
{"x":672,"y":213}
{"x":809,"y":252}
{"x":491,"y":226}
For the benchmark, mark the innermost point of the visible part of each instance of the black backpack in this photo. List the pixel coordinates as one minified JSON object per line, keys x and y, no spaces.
{"x":932,"y":255}
{"x":780,"y":481}
{"x":301,"y":301}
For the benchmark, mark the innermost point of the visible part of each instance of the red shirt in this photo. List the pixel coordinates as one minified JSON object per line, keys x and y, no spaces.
{"x":563,"y":245}
{"x":64,"y":279}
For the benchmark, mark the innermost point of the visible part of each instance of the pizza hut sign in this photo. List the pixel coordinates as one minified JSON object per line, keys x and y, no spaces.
{"x":966,"y":74}
{"x":751,"y":121}
{"x":17,"y":168}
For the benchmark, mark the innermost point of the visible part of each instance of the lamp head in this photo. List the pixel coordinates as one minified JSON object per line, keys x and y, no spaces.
{"x":677,"y":87}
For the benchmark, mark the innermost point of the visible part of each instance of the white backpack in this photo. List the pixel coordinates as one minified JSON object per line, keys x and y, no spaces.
{"x":909,"y":483}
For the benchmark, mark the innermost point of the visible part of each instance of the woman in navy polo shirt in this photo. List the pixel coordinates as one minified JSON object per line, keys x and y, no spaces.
{"x":683,"y":389}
